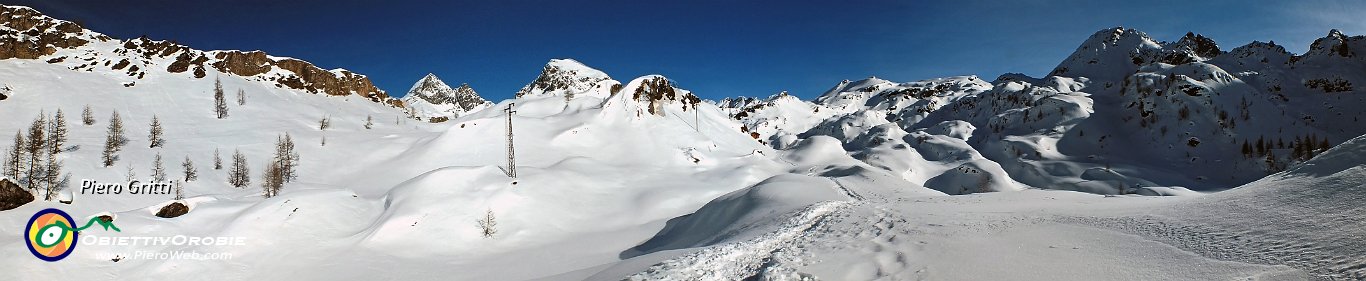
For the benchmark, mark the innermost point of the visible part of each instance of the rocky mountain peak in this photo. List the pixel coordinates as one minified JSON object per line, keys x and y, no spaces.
{"x":427,"y":86}
{"x":1199,"y":44}
{"x":432,"y":98}
{"x":1335,"y":44}
{"x":1109,"y":54}
{"x":568,"y":77}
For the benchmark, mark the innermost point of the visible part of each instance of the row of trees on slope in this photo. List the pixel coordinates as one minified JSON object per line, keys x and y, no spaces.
{"x":1302,"y":148}
{"x":32,"y":160}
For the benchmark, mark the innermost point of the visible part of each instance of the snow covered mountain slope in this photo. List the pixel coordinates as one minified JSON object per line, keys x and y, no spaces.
{"x":1232,"y":118}
{"x":1274,"y":213}
{"x":431,"y":98}
{"x":778,"y":118}
{"x":373,"y":182}
{"x":1122,"y":114}
{"x":185,"y":108}
{"x":1259,"y":231}
{"x":643,"y":180}
{"x":581,"y":162}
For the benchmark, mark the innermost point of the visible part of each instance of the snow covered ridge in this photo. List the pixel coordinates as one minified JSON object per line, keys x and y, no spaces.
{"x":26,"y":33}
{"x":431,"y":99}
{"x":1123,"y":113}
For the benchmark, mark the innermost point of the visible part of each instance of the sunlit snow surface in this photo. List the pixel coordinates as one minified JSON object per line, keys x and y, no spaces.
{"x":851,"y":186}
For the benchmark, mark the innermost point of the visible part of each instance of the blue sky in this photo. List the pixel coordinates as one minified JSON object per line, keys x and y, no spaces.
{"x":714,"y":48}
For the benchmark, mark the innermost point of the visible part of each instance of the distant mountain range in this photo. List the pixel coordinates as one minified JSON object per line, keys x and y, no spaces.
{"x":1123,"y":111}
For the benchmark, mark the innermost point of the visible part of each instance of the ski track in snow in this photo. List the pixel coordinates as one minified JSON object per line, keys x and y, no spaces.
{"x":882,"y":233}
{"x":763,"y":258}
{"x":1241,"y":245}
{"x":846,"y":190}
{"x":862,"y":227}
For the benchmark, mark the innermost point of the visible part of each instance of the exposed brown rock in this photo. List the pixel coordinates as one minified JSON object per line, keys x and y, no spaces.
{"x":151,"y":48}
{"x":245,"y":64}
{"x":12,"y":196}
{"x":173,"y":210}
{"x":44,"y":36}
{"x":315,"y":79}
{"x":656,"y":90}
{"x":181,"y":64}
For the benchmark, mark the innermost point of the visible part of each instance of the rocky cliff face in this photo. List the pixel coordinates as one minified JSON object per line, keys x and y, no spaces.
{"x":26,"y":33}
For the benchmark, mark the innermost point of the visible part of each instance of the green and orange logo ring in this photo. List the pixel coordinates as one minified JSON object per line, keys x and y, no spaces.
{"x":47,"y":238}
{"x":51,"y":234}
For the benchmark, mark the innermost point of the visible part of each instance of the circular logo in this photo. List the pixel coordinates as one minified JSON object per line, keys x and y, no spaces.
{"x":50,"y":236}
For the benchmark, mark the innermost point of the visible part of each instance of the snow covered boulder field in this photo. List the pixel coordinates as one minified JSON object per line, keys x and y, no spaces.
{"x":1135,"y":159}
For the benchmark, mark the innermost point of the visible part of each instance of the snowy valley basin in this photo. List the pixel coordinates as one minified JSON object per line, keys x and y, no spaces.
{"x":1133,"y":159}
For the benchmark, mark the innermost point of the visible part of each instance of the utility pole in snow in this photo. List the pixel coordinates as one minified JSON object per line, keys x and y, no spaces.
{"x":512,"y":162}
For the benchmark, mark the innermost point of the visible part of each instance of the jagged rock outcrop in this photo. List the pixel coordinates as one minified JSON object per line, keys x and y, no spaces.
{"x":656,"y":91}
{"x":29,"y":34}
{"x":649,"y":96}
{"x":1191,"y":48}
{"x":737,"y":103}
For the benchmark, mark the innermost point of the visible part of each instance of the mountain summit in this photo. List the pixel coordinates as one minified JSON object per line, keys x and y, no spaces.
{"x":569,"y":78}
{"x":432,"y":98}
